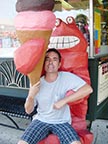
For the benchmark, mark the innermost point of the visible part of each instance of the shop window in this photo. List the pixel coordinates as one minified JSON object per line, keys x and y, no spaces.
{"x":100,"y":26}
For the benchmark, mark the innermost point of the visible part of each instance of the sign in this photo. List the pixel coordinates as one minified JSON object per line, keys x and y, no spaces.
{"x":102,"y":82}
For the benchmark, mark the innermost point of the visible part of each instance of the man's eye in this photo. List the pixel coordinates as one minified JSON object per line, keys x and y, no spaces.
{"x":46,"y":59}
{"x":55,"y":59}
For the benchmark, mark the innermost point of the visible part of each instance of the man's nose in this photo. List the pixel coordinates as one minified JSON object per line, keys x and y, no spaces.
{"x":50,"y":61}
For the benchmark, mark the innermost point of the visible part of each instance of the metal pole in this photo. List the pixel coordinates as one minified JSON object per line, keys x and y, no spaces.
{"x":91,"y":49}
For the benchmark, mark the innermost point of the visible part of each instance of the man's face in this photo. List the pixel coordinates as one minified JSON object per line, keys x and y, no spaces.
{"x":52,"y":63}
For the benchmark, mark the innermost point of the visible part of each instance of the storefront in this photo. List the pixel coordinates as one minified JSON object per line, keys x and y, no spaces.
{"x":92,"y":19}
{"x":98,"y":60}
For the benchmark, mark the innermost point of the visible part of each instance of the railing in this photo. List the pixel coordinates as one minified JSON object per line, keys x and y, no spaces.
{"x":13,"y":92}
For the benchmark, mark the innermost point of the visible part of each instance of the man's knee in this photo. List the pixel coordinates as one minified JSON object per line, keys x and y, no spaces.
{"x":22,"y":142}
{"x":76,"y":142}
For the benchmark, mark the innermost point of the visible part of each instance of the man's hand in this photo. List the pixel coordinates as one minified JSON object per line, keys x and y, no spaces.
{"x":29,"y":104}
{"x":59,"y":104}
{"x":34,"y":90}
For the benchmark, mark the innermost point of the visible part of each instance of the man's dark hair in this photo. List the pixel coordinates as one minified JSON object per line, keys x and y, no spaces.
{"x":56,"y":51}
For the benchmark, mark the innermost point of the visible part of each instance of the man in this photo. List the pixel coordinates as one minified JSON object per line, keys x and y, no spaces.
{"x":53,"y":113}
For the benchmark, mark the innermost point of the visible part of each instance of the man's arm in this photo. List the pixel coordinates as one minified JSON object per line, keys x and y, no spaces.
{"x":79,"y":94}
{"x":29,"y":104}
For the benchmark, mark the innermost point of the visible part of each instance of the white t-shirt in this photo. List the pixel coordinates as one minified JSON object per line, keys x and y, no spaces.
{"x":52,"y":92}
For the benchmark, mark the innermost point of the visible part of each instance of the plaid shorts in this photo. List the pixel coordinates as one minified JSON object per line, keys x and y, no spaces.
{"x":38,"y":130}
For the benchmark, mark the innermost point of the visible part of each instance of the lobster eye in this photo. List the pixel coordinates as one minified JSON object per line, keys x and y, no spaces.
{"x":58,"y":21}
{"x":69,"y":20}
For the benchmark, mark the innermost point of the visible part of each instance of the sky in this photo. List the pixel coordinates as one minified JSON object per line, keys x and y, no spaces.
{"x":7,"y":9}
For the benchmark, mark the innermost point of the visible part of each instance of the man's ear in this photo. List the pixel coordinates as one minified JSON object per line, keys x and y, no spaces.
{"x":59,"y":64}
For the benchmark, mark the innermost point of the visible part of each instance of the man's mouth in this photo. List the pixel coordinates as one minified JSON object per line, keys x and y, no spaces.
{"x":50,"y":66}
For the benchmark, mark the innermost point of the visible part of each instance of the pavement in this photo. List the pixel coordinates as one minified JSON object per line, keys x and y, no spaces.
{"x":11,"y":135}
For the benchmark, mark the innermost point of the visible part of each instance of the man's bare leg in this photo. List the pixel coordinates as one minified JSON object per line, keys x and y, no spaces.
{"x":76,"y":142}
{"x":22,"y":142}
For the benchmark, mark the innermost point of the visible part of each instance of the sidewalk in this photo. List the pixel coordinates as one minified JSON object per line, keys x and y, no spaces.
{"x":100,"y":131}
{"x":11,"y":136}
